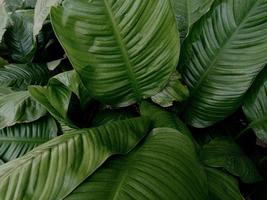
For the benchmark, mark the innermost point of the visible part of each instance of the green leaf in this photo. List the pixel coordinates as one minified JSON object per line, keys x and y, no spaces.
{"x":5,"y":91}
{"x":20,"y":76}
{"x":127,"y":55}
{"x":222,"y":186}
{"x":255,"y":106}
{"x":19,"y":36}
{"x":55,"y":98}
{"x":163,"y":118}
{"x":3,"y":62}
{"x":56,"y":168}
{"x":13,"y":5}
{"x":225,"y":153}
{"x":165,"y":166}
{"x":56,"y":95}
{"x":41,"y":12}
{"x":222,"y":56}
{"x":175,"y":91}
{"x":15,"y":141}
{"x":109,"y":116}
{"x":187,"y":12}
{"x":3,"y":19}
{"x":73,"y":82}
{"x":19,"y":107}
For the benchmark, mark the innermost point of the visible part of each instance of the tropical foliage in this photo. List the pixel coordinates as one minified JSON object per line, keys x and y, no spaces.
{"x":143,"y":99}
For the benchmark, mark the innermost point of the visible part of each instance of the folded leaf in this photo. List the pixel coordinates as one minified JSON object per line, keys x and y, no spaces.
{"x":165,"y":166}
{"x":19,"y":107}
{"x":20,"y":76}
{"x":15,"y":141}
{"x":54,"y":169}
{"x":127,"y":55}
{"x":222,"y":56}
{"x":19,"y":37}
{"x":174,"y":91}
{"x":222,"y":186}
{"x":255,"y":106}
{"x":187,"y":12}
{"x":225,"y":153}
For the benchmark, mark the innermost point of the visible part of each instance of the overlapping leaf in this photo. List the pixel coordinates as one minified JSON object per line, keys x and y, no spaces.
{"x":20,"y":76}
{"x":17,"y":140}
{"x":222,"y":56}
{"x":129,"y":54}
{"x":222,"y":186}
{"x":3,"y":19}
{"x":175,"y":91}
{"x":19,"y":107}
{"x":41,"y":12}
{"x":19,"y":36}
{"x":224,"y":153}
{"x":52,"y":170}
{"x":164,"y":167}
{"x":255,"y":106}
{"x":187,"y":12}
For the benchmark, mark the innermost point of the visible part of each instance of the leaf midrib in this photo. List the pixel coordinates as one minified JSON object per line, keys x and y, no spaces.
{"x":221,"y":50}
{"x":124,"y":51}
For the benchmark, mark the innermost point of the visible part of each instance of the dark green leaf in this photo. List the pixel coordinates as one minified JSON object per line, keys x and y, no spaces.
{"x":255,"y":106}
{"x":19,"y":36}
{"x":225,"y":153}
{"x":15,"y":141}
{"x":222,"y":186}
{"x":56,"y":168}
{"x":222,"y":56}
{"x":127,"y":55}
{"x":163,"y":118}
{"x":20,"y":76}
{"x":165,"y":166}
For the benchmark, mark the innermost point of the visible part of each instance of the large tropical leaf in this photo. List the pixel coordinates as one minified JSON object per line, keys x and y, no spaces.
{"x":19,"y":107}
{"x":224,"y":153}
{"x":41,"y":12}
{"x":165,"y":166}
{"x":222,"y":186}
{"x":222,"y":56}
{"x":255,"y":106}
{"x":20,"y":76}
{"x":129,"y":54}
{"x":19,"y":36}
{"x":187,"y":12}
{"x":52,"y":170}
{"x":17,"y":140}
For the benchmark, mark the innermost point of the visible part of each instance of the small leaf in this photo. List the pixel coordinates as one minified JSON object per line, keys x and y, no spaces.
{"x":225,"y":153}
{"x":175,"y":91}
{"x":54,"y":169}
{"x":3,"y":19}
{"x":19,"y":38}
